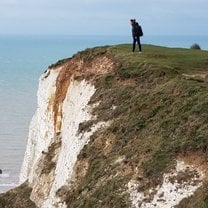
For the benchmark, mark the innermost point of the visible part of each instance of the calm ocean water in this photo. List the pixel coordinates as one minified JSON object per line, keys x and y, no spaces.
{"x":22,"y":60}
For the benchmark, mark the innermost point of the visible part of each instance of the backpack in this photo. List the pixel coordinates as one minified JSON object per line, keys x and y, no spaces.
{"x":138,"y":30}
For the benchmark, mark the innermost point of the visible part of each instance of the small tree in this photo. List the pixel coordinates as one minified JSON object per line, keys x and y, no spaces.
{"x":195,"y":46}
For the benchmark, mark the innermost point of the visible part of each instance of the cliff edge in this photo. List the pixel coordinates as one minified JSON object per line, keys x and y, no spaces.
{"x":118,"y":129}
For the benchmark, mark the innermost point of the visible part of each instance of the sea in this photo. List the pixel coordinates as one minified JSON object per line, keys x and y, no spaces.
{"x":22,"y":60}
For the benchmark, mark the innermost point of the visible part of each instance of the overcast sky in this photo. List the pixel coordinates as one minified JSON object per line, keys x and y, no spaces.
{"x":103,"y":17}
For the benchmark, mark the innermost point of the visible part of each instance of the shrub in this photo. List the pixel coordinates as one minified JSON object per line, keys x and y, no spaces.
{"x":195,"y":46}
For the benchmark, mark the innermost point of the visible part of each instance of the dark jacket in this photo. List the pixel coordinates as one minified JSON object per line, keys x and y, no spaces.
{"x":136,"y":30}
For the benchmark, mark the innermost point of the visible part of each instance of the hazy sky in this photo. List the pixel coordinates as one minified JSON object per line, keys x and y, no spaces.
{"x":103,"y":16}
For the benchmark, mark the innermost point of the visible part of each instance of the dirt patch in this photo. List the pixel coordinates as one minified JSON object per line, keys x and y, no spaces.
{"x":198,"y":160}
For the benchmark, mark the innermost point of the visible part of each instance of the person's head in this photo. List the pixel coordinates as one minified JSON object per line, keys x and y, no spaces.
{"x":132,"y":21}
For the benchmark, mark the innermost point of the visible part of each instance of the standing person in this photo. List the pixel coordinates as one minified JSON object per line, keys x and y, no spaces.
{"x":136,"y":34}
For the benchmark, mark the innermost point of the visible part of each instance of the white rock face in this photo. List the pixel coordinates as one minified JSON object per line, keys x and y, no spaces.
{"x":171,"y":191}
{"x":41,"y":129}
{"x":75,"y":110}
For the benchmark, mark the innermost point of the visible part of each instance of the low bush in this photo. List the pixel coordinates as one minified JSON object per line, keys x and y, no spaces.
{"x":196,"y":46}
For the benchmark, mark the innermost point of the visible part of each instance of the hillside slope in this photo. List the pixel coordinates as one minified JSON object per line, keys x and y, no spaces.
{"x":119,"y":129}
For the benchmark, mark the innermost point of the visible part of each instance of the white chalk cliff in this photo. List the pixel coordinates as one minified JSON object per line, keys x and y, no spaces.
{"x":55,"y":141}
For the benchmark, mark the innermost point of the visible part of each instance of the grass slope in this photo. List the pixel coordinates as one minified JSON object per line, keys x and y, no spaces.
{"x":17,"y":198}
{"x":161,"y":99}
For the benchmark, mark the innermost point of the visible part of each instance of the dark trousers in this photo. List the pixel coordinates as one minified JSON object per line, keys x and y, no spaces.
{"x":136,"y":39}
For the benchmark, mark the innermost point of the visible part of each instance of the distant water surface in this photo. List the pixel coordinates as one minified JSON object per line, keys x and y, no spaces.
{"x":22,"y":60}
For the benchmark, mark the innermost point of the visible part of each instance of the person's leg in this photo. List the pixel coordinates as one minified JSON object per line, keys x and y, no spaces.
{"x":139,"y":43}
{"x":134,"y":44}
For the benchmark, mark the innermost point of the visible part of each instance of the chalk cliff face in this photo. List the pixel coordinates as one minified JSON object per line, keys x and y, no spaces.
{"x":54,"y":140}
{"x":97,"y":138}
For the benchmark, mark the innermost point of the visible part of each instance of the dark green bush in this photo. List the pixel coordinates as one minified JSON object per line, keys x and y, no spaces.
{"x":195,"y":46}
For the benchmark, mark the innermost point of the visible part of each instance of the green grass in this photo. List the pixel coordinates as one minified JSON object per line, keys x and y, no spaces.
{"x":159,"y":114}
{"x":17,"y":198}
{"x":172,"y":60}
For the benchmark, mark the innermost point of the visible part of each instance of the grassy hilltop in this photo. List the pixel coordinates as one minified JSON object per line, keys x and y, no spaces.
{"x":158,"y":104}
{"x":161,"y":99}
